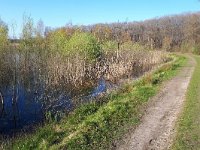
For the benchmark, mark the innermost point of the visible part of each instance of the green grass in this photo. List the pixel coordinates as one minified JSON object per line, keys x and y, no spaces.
{"x":96,"y":125}
{"x":188,"y":134}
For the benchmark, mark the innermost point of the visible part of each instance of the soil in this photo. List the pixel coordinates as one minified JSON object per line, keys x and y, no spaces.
{"x":157,"y":130}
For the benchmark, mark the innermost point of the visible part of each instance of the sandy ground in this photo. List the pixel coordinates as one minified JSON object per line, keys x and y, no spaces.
{"x":157,"y":129}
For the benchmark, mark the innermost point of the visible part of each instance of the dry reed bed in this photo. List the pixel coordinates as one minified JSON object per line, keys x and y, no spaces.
{"x":75,"y":71}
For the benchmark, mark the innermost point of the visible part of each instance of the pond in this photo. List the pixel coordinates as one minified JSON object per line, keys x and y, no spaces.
{"x":23,"y":108}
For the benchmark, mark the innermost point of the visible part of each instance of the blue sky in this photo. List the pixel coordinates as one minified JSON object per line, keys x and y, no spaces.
{"x":57,"y":13}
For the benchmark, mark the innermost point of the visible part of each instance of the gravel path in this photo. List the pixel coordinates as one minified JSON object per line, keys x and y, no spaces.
{"x":157,"y":129}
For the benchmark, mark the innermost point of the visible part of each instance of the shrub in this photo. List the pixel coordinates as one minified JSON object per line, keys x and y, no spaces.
{"x":57,"y":41}
{"x":84,"y":44}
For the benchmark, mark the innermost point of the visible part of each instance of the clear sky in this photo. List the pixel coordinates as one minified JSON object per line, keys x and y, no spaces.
{"x":57,"y":13}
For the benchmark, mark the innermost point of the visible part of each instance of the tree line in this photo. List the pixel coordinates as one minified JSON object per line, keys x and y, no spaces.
{"x":171,"y":33}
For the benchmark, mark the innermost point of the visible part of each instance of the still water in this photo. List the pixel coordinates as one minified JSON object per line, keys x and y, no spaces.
{"x":23,"y":107}
{"x":19,"y":109}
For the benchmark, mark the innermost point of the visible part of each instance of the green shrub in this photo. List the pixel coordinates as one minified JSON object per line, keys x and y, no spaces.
{"x":85,"y":44}
{"x":57,"y":41}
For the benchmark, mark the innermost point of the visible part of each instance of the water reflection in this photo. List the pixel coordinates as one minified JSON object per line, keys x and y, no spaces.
{"x":19,"y":109}
{"x":23,"y":106}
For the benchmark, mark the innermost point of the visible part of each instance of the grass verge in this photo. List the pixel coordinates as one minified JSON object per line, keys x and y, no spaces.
{"x":97,"y":124}
{"x":188,"y":133}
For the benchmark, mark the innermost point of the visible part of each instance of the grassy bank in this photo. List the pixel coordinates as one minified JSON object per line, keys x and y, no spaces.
{"x":96,"y":125}
{"x":188,"y":134}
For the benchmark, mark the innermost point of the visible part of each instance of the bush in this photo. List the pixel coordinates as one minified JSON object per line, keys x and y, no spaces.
{"x":85,"y":44}
{"x":57,"y":41}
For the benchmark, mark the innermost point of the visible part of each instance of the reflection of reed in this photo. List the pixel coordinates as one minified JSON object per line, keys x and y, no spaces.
{"x":1,"y":105}
{"x":15,"y":95}
{"x":15,"y":108}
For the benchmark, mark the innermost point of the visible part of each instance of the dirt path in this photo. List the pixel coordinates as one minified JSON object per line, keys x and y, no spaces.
{"x":157,"y":128}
